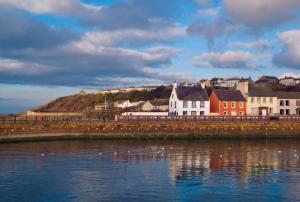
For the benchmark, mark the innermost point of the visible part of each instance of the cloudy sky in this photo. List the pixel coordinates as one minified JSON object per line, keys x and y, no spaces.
{"x":51,"y":48}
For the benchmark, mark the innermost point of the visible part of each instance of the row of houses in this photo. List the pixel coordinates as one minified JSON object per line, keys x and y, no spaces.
{"x":242,"y":100}
{"x":263,"y":81}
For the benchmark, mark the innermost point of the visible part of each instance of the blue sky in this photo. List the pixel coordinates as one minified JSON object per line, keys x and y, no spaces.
{"x":53,"y":48}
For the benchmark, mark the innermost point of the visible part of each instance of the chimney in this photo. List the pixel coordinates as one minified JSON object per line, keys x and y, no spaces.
{"x":174,"y":84}
{"x":243,"y":86}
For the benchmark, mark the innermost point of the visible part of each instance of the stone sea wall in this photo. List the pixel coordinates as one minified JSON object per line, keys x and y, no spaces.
{"x":172,"y":130}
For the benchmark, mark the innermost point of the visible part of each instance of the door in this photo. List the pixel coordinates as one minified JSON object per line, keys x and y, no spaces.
{"x":193,"y":113}
{"x":264,"y":112}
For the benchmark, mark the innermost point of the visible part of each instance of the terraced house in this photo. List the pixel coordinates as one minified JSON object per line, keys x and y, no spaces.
{"x":288,"y":103}
{"x":189,"y":101}
{"x":262,"y":102}
{"x":228,"y":103}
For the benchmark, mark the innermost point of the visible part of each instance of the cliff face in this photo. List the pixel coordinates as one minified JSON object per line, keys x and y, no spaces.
{"x":86,"y":102}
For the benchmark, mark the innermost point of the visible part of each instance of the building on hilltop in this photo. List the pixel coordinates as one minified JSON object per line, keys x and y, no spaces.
{"x":266,"y":81}
{"x":189,"y":101}
{"x":288,"y":81}
{"x":228,"y":103}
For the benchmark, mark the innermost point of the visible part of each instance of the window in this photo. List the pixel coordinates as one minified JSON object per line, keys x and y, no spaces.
{"x":201,"y":104}
{"x":241,"y":104}
{"x":201,"y":113}
{"x":282,"y":112}
{"x":281,"y":102}
{"x":225,"y":113}
{"x":287,"y":112}
{"x":252,"y":100}
{"x":225,"y":104}
{"x":184,"y":113}
{"x":171,"y":104}
{"x":271,"y":100}
{"x":264,"y":100}
{"x":298,"y":103}
{"x":175,"y":103}
{"x":287,"y":103}
{"x":241,"y":113}
{"x":172,"y":95}
{"x":185,"y":104}
{"x":232,"y":104}
{"x":258,"y":99}
{"x":194,"y":104}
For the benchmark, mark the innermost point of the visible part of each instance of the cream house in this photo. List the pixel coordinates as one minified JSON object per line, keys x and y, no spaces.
{"x":288,"y":103}
{"x":260,"y":100}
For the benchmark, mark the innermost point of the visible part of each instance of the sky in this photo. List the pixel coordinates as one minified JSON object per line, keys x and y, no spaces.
{"x":54,"y":48}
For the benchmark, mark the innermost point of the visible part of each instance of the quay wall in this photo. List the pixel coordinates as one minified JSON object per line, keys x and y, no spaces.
{"x":140,"y":130}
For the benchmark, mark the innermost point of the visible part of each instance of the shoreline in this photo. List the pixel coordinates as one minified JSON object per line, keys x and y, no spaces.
{"x":86,"y":137}
{"x":160,"y":131}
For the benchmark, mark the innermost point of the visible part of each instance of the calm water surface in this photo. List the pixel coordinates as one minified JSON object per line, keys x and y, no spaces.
{"x":150,"y":171}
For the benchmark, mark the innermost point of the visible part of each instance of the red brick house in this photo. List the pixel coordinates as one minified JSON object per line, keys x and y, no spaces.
{"x":228,"y":103}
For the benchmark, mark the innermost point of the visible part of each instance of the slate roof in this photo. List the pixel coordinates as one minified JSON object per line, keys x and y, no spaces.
{"x":230,"y":95}
{"x":261,"y":92}
{"x":159,"y":102}
{"x":288,"y":95}
{"x":195,"y":93}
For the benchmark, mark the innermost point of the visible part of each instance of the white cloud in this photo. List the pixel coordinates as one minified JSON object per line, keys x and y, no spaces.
{"x":261,"y":13}
{"x":228,"y":59}
{"x":133,"y":36}
{"x":208,"y":12}
{"x":260,"y":45}
{"x":64,"y":7}
{"x":290,"y":53}
{"x":15,"y":67}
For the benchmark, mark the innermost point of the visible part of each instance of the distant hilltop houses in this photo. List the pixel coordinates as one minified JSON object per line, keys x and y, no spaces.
{"x":267,"y":96}
{"x":127,"y":89}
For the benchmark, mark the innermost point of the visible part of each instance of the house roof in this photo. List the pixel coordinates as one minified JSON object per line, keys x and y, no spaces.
{"x":229,"y":95}
{"x":159,"y":102}
{"x":267,"y":79}
{"x":261,"y":92}
{"x":285,"y":78}
{"x":194,"y":93}
{"x":288,"y":95}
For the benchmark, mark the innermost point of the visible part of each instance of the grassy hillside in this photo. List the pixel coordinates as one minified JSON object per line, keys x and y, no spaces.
{"x":80,"y":103}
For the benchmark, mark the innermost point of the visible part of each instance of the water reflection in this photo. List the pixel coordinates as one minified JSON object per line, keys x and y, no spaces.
{"x":150,"y":170}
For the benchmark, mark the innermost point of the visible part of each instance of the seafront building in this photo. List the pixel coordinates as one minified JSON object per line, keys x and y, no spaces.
{"x":288,"y":103}
{"x":189,"y":100}
{"x":228,"y":103}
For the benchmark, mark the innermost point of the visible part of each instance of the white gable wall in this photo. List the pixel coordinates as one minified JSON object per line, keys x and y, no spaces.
{"x":176,"y":106}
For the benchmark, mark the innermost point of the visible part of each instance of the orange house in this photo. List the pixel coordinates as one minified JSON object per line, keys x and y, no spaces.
{"x":228,"y":103}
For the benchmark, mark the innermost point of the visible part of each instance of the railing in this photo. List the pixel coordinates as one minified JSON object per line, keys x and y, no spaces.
{"x":204,"y":118}
{"x":119,"y":118}
{"x":47,"y":119}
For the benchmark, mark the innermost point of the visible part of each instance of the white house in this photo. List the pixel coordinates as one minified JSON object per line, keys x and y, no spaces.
{"x":288,"y":81}
{"x":189,"y":100}
{"x":125,"y":104}
{"x":288,"y":103}
{"x":159,"y":105}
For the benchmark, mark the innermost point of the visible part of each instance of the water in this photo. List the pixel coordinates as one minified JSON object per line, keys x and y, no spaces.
{"x":150,"y":171}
